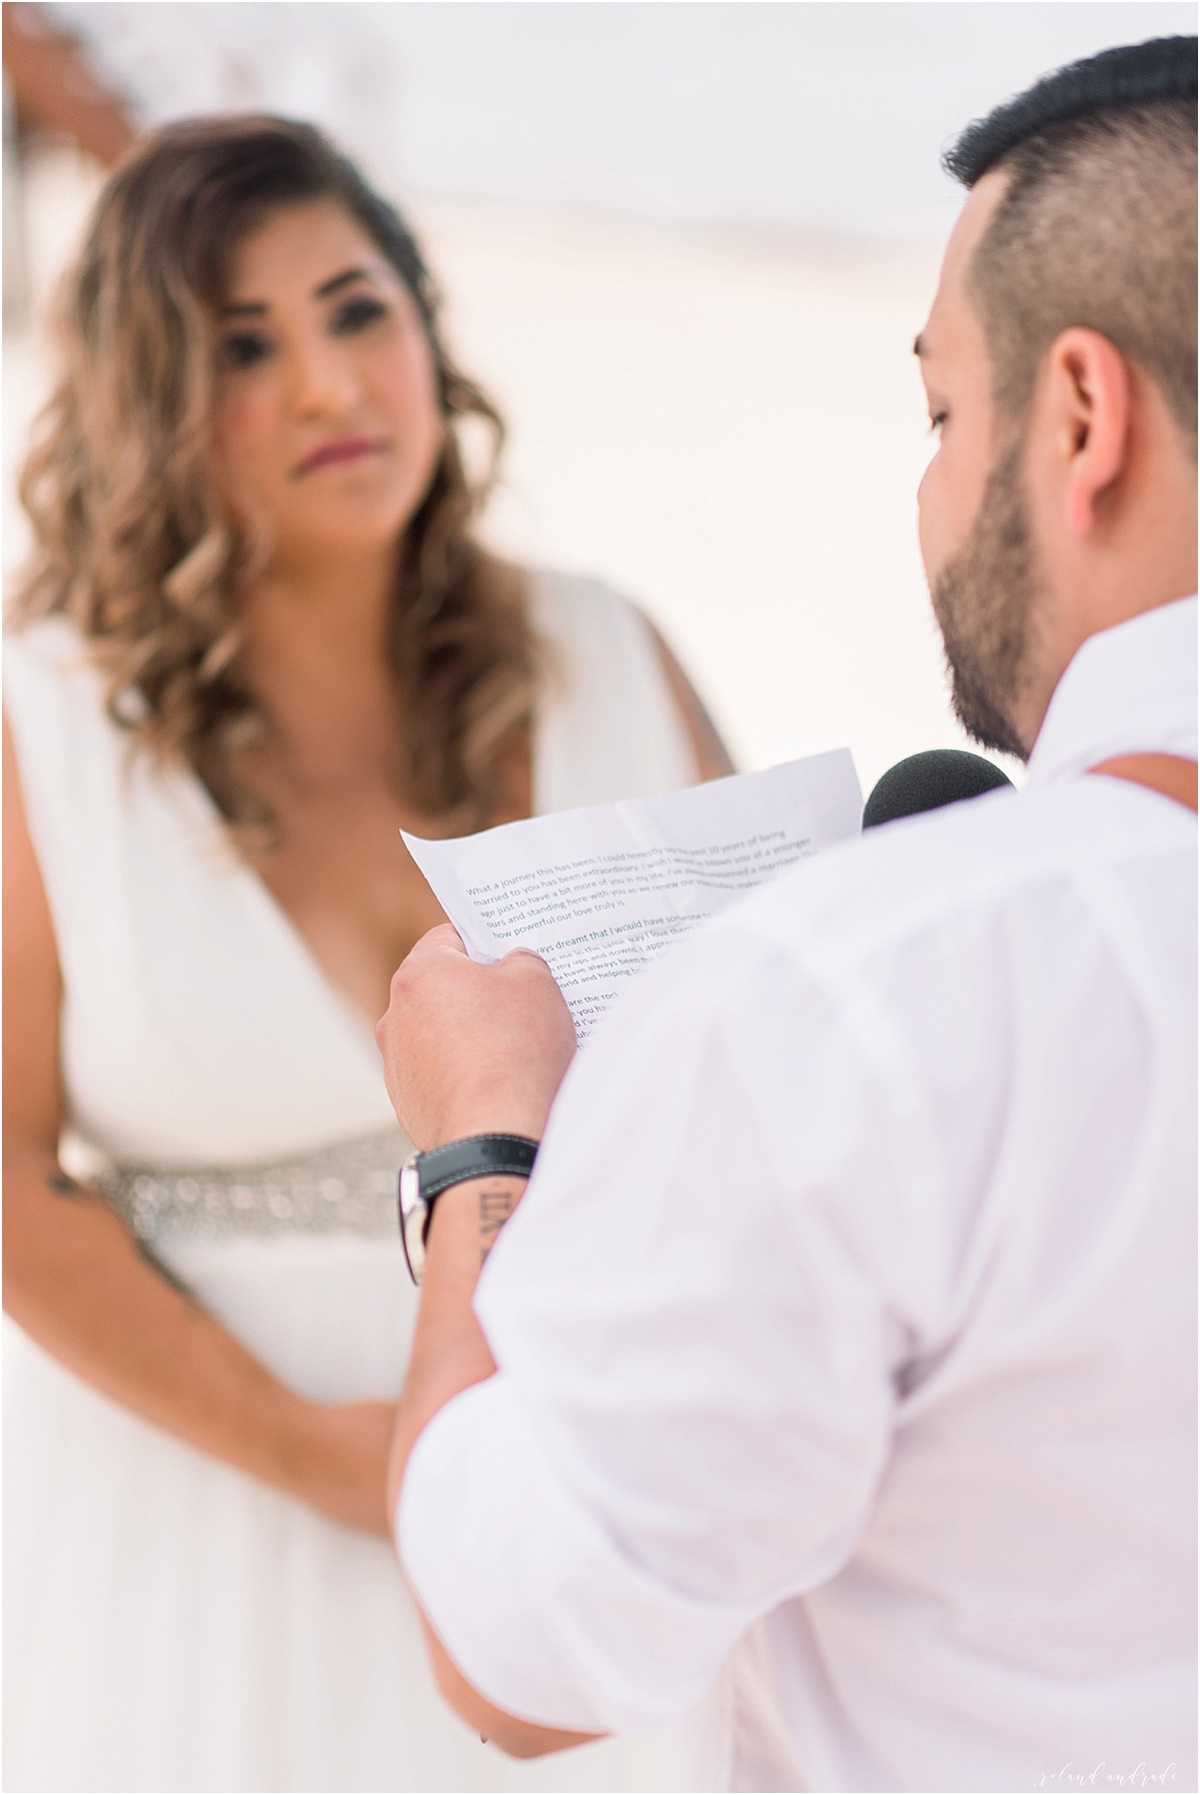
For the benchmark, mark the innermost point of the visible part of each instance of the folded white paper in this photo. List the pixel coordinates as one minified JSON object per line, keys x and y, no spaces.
{"x":599,"y":893}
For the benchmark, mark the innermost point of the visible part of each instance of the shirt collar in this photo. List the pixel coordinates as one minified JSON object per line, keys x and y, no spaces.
{"x":1129,"y":690}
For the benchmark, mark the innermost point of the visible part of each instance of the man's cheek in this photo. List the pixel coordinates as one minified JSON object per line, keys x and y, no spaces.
{"x":931,"y":507}
{"x":948,"y":500}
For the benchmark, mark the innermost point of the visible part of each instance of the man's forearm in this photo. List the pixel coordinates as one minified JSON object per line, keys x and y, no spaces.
{"x":449,"y":1355}
{"x":449,"y":1352}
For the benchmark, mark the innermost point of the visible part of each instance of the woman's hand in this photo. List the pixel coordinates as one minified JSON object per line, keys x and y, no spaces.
{"x":471,"y":1049}
{"x":342,"y":1461}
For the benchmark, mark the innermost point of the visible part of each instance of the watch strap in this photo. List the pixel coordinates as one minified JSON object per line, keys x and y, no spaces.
{"x":477,"y":1156}
{"x":424,"y":1176}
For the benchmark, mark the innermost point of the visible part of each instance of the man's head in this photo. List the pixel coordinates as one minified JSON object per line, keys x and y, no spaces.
{"x":1060,"y":363}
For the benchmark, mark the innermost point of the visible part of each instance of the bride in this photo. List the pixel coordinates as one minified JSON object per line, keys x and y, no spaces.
{"x":256,"y":638}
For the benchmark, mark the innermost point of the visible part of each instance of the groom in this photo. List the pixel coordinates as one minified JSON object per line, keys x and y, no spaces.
{"x":833,"y":1389}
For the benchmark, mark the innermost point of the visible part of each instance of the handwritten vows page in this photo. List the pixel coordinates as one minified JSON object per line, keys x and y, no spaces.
{"x":599,"y":893}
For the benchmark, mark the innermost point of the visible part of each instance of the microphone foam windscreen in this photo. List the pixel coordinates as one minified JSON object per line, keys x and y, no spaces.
{"x":927,"y":781}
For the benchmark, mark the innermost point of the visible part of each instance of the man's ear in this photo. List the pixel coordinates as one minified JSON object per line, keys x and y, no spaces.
{"x":1087,"y":404}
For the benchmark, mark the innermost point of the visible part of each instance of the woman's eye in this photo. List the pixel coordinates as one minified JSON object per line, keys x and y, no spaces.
{"x":242,"y":349}
{"x":356,"y":314}
{"x":936,"y":422}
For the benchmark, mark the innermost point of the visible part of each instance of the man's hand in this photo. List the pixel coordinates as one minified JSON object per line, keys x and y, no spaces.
{"x":471,"y":1049}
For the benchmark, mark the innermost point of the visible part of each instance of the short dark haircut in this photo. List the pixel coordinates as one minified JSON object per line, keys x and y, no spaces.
{"x":1098,"y":224}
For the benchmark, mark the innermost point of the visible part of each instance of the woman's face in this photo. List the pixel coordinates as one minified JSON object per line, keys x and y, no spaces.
{"x":327,"y":422}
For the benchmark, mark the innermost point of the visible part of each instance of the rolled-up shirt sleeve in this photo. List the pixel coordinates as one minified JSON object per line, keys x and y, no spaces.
{"x":689,"y":1314}
{"x":535,"y":1601}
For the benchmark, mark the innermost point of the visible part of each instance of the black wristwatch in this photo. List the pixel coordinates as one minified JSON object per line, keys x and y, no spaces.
{"x":424,"y":1176}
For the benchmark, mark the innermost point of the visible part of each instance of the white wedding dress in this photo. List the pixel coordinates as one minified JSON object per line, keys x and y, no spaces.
{"x":170,"y":1624}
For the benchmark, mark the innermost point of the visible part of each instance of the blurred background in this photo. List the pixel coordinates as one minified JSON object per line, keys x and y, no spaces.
{"x":687,"y":247}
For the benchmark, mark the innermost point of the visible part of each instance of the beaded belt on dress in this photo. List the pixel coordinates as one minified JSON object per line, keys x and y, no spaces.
{"x":347,"y":1188}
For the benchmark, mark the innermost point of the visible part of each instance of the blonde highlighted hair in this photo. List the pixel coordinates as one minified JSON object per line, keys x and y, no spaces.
{"x":132,"y":540}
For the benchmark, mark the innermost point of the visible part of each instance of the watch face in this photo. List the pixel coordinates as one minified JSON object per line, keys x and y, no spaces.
{"x":412,"y":1219}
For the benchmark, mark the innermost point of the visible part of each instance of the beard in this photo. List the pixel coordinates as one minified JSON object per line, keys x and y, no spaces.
{"x":984,"y":601}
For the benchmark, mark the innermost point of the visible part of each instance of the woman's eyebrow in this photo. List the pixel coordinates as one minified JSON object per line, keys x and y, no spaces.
{"x":258,"y":308}
{"x":339,"y":280}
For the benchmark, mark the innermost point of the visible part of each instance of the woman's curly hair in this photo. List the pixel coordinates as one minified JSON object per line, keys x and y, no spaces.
{"x":132,"y":539}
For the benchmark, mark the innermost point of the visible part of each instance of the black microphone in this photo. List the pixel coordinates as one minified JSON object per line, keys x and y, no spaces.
{"x":927,"y":781}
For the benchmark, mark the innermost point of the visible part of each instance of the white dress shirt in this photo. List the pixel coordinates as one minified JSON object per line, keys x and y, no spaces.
{"x":845,"y":1418}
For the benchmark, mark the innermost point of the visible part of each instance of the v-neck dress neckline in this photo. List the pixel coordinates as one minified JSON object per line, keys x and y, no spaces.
{"x":197,"y":1024}
{"x":259,"y":894}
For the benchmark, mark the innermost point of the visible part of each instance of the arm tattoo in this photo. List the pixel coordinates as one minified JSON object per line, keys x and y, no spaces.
{"x":63,"y":1186}
{"x":496,"y":1204}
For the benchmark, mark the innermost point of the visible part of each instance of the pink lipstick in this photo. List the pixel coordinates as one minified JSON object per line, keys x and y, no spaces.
{"x":339,"y":449}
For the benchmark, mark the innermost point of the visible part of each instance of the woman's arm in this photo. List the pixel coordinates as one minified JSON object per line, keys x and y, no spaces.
{"x":712,"y":756}
{"x":76,"y":1281}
